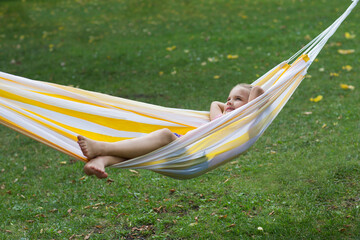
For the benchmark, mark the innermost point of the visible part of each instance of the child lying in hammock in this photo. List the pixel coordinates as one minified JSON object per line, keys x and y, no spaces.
{"x":104,"y":154}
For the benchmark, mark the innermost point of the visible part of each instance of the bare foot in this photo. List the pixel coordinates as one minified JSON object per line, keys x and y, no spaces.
{"x":96,"y":167}
{"x":88,"y":147}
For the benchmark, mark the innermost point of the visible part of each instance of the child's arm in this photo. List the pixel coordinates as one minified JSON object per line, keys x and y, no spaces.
{"x":216,"y":110}
{"x":255,"y":92}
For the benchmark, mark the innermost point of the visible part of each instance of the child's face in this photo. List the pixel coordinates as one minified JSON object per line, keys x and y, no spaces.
{"x":238,"y":97}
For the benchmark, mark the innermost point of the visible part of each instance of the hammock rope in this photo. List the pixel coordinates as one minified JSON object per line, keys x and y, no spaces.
{"x":54,"y":115}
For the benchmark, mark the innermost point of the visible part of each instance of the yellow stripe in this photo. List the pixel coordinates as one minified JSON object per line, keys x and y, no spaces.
{"x":66,"y":98}
{"x":38,"y":138}
{"x":271,"y":74}
{"x":285,"y":67}
{"x":110,"y":100}
{"x":106,"y":105}
{"x":118,"y":124}
{"x":78,"y":131}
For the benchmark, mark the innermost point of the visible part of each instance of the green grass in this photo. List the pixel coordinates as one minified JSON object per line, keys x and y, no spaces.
{"x":299,"y":181}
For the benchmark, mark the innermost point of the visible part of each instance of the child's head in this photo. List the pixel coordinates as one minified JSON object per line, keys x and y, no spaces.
{"x":238,"y":97}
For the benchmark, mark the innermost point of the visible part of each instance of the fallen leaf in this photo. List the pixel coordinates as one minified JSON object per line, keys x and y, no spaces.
{"x":345,"y":86}
{"x":229,"y":56}
{"x":53,"y":210}
{"x":349,"y":35}
{"x":213,"y":59}
{"x":172,"y":48}
{"x":347,"y":68}
{"x":307,"y":113}
{"x":346,"y":51}
{"x":134,"y":171}
{"x":307,"y":37}
{"x":317,"y":99}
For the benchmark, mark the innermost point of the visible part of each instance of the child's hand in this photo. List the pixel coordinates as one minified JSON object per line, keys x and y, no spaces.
{"x":255,"y":92}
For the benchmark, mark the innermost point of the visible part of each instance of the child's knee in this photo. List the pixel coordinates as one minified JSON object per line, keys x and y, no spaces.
{"x":166,"y":135}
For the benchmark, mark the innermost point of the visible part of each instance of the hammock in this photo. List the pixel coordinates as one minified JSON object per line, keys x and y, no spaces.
{"x":54,"y":115}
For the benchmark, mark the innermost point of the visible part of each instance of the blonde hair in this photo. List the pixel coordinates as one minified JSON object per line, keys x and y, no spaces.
{"x":244,"y":85}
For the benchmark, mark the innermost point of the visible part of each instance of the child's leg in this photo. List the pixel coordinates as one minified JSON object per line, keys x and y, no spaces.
{"x":127,"y":149}
{"x":97,"y":165}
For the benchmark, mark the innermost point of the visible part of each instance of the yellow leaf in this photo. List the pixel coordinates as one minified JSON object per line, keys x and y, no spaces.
{"x":346,"y":51}
{"x":334,"y":74}
{"x":216,"y":77}
{"x":172,"y":48}
{"x":347,"y":68}
{"x":317,"y":99}
{"x":349,"y":35}
{"x":345,"y":86}
{"x":51,"y":47}
{"x":232,"y":56}
{"x":161,"y":73}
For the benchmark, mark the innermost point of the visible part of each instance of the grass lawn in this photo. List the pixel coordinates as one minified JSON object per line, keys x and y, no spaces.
{"x":299,"y":181}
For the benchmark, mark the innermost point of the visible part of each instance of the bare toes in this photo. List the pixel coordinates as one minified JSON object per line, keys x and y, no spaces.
{"x":99,"y":172}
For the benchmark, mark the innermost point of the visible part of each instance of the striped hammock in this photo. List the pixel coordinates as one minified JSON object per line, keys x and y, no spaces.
{"x":55,"y":114}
